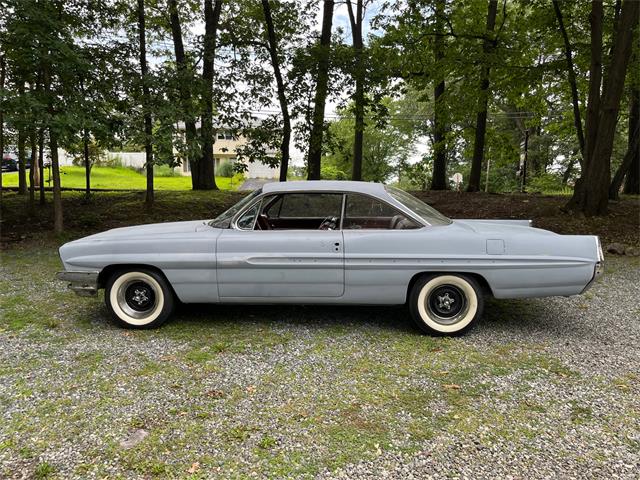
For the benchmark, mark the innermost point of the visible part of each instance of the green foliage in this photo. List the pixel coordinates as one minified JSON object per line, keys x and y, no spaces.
{"x":546,"y":183}
{"x":331,"y":172}
{"x":226,"y":169}
{"x":165,"y":171}
{"x":388,"y":142}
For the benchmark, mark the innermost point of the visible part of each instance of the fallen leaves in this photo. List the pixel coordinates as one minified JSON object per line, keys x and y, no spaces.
{"x":451,"y":386}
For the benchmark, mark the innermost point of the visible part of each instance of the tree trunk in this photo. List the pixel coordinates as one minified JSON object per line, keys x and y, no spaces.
{"x":623,"y":169}
{"x":632,"y":182}
{"x":87,"y":165}
{"x":595,"y":79}
{"x":146,"y":101}
{"x":22,"y":168}
{"x":322,"y":80}
{"x":22,"y":172}
{"x":206,"y":178}
{"x":2,"y":76}
{"x":186,"y":77}
{"x":358,"y":49}
{"x":630,"y":164}
{"x":34,"y":168}
{"x":41,"y":164}
{"x":282,"y":97}
{"x":439,"y":180}
{"x":481,"y":117}
{"x":571,"y":75}
{"x":592,"y":195}
{"x":35,"y":161}
{"x":58,"y":225}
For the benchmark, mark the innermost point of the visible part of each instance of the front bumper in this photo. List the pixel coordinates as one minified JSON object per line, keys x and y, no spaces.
{"x":84,"y":284}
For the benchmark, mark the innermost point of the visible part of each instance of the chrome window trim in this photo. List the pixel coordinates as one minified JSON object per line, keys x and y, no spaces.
{"x":400,"y":207}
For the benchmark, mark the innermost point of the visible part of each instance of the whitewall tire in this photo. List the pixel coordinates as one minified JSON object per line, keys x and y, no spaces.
{"x":446,"y":304}
{"x":138,"y":298}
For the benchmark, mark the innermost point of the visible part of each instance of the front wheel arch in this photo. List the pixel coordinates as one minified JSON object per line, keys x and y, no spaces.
{"x":107,"y":272}
{"x":152,"y":292}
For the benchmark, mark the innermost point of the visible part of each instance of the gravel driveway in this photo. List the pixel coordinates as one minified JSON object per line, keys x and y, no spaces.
{"x":542,"y":388}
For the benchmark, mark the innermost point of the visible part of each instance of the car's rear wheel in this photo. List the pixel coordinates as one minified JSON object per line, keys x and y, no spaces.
{"x":139,"y":298}
{"x":446,"y":304}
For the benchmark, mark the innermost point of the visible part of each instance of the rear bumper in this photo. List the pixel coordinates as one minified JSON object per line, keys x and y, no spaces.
{"x":598,"y":270}
{"x":84,"y":284}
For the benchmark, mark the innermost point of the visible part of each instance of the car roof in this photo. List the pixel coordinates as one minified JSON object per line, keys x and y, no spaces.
{"x":370,"y":188}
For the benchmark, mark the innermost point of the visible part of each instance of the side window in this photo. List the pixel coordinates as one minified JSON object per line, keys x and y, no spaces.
{"x":248,"y":218}
{"x":301,"y":211}
{"x":307,"y":205}
{"x":364,"y":212}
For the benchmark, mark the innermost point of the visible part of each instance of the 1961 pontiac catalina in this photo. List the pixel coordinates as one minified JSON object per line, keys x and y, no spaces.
{"x":329,"y":242}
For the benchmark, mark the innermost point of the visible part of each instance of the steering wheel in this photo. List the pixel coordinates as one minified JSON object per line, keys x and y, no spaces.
{"x":329,"y":223}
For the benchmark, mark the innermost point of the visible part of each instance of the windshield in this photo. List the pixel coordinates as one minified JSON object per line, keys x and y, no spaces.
{"x":427,"y":213}
{"x":224,"y":220}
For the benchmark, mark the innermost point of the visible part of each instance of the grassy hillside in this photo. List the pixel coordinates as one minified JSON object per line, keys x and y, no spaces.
{"x":119,"y":178}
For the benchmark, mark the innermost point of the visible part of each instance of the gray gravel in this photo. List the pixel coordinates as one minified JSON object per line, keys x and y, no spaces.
{"x":252,"y":391}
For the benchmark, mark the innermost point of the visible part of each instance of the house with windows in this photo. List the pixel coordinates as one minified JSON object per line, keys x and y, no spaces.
{"x":225,"y":150}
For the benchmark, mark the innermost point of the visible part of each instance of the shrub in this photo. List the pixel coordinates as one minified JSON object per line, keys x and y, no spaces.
{"x":238,"y":179}
{"x":546,"y":183}
{"x":164,"y":171}
{"x":104,"y":161}
{"x":226,"y":169}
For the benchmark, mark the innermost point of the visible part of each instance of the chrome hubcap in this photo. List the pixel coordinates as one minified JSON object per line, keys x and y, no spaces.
{"x":137,"y":298}
{"x":445,"y":302}
{"x":140,"y":297}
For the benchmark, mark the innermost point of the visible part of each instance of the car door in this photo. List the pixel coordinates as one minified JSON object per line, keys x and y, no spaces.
{"x":376,"y":237}
{"x":281,"y":263}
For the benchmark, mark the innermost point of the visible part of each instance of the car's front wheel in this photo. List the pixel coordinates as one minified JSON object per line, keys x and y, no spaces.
{"x":446,"y":304}
{"x":138,"y":298}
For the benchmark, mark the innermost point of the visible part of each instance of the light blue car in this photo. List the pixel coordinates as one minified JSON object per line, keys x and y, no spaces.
{"x":329,"y":242}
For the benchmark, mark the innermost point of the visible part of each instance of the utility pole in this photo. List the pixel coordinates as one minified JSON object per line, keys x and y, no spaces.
{"x":486,"y":182}
{"x":524,"y":162}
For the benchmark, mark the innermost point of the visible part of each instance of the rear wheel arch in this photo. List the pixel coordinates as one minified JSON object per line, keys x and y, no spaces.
{"x":486,"y":288}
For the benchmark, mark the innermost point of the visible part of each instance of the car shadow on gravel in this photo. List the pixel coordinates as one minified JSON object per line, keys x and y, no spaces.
{"x":395,"y":318}
{"x":503,"y":319}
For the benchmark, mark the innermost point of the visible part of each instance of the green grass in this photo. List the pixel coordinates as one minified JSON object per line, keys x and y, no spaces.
{"x":117,"y":178}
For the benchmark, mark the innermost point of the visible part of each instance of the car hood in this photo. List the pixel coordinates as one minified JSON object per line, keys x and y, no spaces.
{"x":501,"y":227}
{"x":151,"y":230}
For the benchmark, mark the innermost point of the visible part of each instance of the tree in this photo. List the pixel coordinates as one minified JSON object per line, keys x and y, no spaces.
{"x":358,"y":97}
{"x":146,"y":104}
{"x":571,"y":76}
{"x":185,"y":79}
{"x":282,"y":96}
{"x":206,"y":177}
{"x":591,"y":194}
{"x":481,"y":117}
{"x":322,"y":81}
{"x":3,"y":72}
{"x":386,"y":146}
{"x":439,"y":180}
{"x":632,"y":182}
{"x":629,"y":166}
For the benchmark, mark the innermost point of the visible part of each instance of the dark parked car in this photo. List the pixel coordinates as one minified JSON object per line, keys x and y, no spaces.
{"x":9,"y":164}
